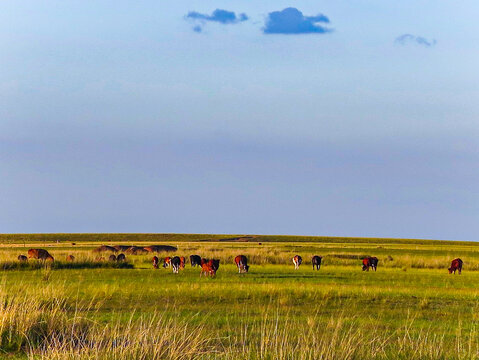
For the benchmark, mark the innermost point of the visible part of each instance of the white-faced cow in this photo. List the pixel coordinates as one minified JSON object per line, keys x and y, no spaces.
{"x":297,"y":260}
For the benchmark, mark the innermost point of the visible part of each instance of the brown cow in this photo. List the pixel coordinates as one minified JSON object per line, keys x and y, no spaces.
{"x":112,"y":258}
{"x":166,"y":262}
{"x":297,"y":260}
{"x":155,"y":262}
{"x":209,"y":267}
{"x":370,"y":262}
{"x":22,"y":258}
{"x":40,"y":254}
{"x":456,"y":264}
{"x":70,"y":258}
{"x":182,"y":262}
{"x":242,"y":263}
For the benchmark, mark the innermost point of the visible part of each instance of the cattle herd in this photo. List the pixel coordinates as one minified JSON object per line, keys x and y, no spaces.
{"x":208,"y":267}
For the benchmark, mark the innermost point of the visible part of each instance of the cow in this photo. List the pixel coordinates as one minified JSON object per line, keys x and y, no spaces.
{"x":175,"y":264}
{"x":112,"y":258}
{"x":195,"y":260}
{"x":182,"y":262}
{"x":242,"y":263}
{"x":22,"y":258}
{"x":166,"y":262}
{"x":209,"y":267}
{"x":456,"y":264}
{"x":155,"y":262}
{"x":121,"y":258}
{"x":40,"y":254}
{"x":70,"y":258}
{"x":316,"y":260}
{"x":370,"y":262}
{"x":297,"y":260}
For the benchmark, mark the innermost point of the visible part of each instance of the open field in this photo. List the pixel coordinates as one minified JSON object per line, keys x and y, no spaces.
{"x":410,"y":308}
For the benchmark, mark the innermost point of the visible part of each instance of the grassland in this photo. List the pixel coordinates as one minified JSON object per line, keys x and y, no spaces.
{"x":410,"y":308}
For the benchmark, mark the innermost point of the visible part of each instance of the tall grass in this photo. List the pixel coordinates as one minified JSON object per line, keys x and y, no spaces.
{"x":59,"y":327}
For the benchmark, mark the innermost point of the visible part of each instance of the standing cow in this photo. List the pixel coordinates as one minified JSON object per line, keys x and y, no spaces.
{"x":370,"y":262}
{"x":182,"y":262}
{"x":242,"y":263}
{"x":456,"y":264}
{"x":297,"y":260}
{"x":195,"y":260}
{"x":209,"y":267}
{"x":316,"y":260}
{"x":155,"y":262}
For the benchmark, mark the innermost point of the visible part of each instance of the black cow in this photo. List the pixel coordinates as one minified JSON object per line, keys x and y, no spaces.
{"x":370,"y":262}
{"x":195,"y":260}
{"x":316,"y":260}
{"x":175,"y":264}
{"x":121,"y":258}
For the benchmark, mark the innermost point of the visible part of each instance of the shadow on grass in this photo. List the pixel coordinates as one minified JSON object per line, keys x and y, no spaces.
{"x":58,"y":265}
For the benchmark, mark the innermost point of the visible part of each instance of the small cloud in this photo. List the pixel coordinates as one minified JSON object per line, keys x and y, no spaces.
{"x":292,"y":21}
{"x":406,"y":39}
{"x":220,"y":16}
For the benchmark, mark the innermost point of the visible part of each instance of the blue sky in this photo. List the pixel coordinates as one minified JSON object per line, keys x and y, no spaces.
{"x":323,"y":118}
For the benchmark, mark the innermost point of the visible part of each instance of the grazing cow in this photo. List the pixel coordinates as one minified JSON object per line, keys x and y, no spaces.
{"x":456,"y":264}
{"x":121,"y":258}
{"x":70,"y":258}
{"x":155,"y":262}
{"x":209,"y":267}
{"x":297,"y":260}
{"x":316,"y":260}
{"x":40,"y":254}
{"x":242,"y":263}
{"x":182,"y":262}
{"x":195,"y":260}
{"x":215,"y":265}
{"x":175,"y":264}
{"x":166,"y":262}
{"x":370,"y":262}
{"x":22,"y":258}
{"x":112,"y":258}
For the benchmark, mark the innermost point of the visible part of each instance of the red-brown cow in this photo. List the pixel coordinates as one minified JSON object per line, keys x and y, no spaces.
{"x":166,"y":262}
{"x":182,"y":262}
{"x":456,"y":264}
{"x":242,"y":263}
{"x":209,"y":267}
{"x":370,"y":262}
{"x":155,"y":262}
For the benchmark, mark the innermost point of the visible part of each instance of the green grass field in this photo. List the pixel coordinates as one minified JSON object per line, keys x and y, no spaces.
{"x":410,"y":308}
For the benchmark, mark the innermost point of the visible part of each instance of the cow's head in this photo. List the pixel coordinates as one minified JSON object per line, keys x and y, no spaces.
{"x":246,"y":268}
{"x":365,"y":267}
{"x":450,"y":270}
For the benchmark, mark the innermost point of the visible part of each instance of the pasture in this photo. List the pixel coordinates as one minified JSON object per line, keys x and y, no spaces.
{"x":410,"y":308}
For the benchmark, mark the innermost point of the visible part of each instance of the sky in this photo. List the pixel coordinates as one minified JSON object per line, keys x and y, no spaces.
{"x":335,"y":118}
